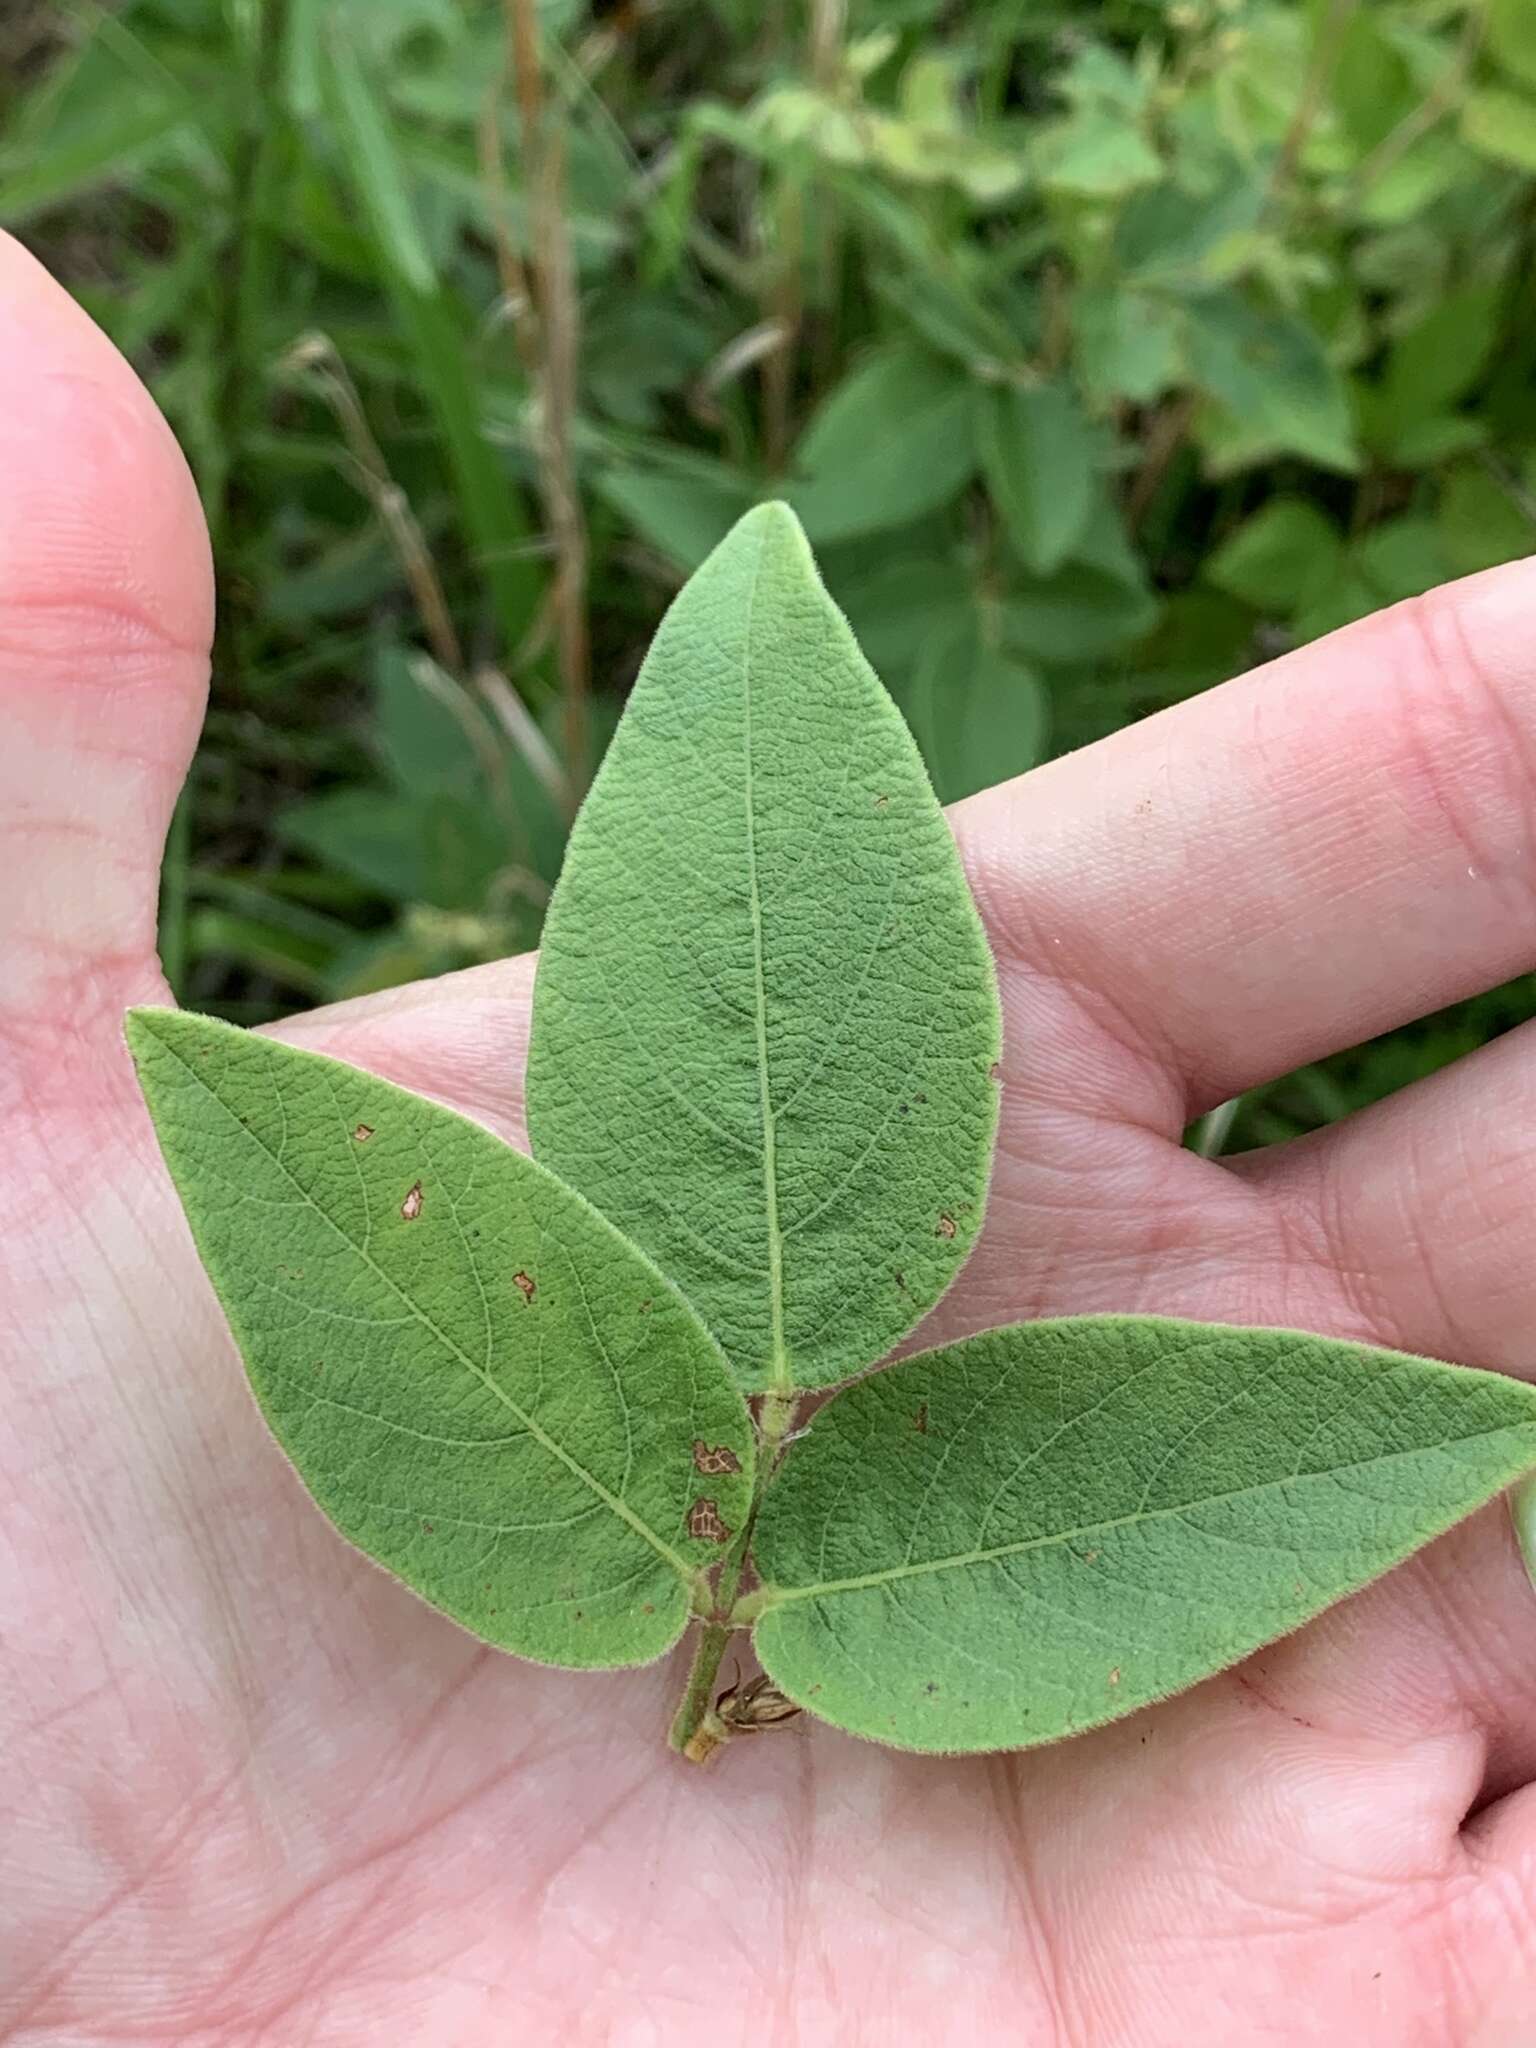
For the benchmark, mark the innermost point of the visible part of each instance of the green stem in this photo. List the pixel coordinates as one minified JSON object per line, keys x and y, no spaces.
{"x":697,"y":1730}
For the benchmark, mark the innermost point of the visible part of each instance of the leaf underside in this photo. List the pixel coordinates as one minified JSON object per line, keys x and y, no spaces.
{"x":1040,"y":1529}
{"x":480,"y":1381}
{"x":766,"y":1019}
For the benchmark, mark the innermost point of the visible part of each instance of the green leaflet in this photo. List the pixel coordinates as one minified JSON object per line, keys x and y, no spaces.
{"x":766,"y":1016}
{"x":891,"y":443}
{"x":978,"y":712}
{"x":484,"y":1386}
{"x":1039,"y":1529}
{"x":1040,"y":455}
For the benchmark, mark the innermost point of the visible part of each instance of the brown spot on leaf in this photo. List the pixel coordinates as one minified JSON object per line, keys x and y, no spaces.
{"x":645,"y":1308}
{"x":1114,"y":1676}
{"x":901,"y":1282}
{"x":704,"y":1523}
{"x":919,"y":1098}
{"x":649,"y":1607}
{"x":525,"y":1284}
{"x":714,"y":1458}
{"x":995,"y":1071}
{"x":930,"y":1686}
{"x":946,"y":1226}
{"x":1090,"y":1557}
{"x":428,"y":1527}
{"x":410,"y":1208}
{"x":881,"y":802}
{"x":920,"y":1419}
{"x":363,"y":1133}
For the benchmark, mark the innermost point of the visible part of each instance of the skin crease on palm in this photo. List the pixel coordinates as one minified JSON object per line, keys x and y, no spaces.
{"x":253,"y":1792}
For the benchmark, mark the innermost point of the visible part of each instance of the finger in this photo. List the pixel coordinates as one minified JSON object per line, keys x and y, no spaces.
{"x":1422,"y":1205}
{"x":1439,"y":1650}
{"x":105,"y":614}
{"x":1494,"y":1922}
{"x":461,"y":1038}
{"x":1321,"y":850}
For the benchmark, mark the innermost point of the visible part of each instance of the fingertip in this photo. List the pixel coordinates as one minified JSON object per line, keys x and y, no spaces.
{"x":101,"y":531}
{"x":106,"y":610}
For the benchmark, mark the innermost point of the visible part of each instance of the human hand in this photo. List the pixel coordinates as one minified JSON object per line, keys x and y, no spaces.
{"x":254,"y":1791}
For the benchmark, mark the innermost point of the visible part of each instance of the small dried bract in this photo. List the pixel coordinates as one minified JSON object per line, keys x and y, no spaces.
{"x":740,"y":1710}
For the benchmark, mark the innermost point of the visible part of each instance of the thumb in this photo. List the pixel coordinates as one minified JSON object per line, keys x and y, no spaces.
{"x":105,"y":618}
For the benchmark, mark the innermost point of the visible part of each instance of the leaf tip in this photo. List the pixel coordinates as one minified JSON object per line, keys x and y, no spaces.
{"x":143,"y":1028}
{"x":774,"y":522}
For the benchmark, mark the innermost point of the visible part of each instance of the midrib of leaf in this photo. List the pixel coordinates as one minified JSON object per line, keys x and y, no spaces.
{"x":778,"y":1362}
{"x":611,"y":1500}
{"x":778,"y":1596}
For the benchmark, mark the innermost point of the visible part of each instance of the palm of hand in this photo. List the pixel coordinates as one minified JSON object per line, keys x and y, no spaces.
{"x":256,"y":1792}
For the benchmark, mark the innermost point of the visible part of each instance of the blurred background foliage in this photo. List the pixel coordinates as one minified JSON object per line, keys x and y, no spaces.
{"x":1105,"y":347}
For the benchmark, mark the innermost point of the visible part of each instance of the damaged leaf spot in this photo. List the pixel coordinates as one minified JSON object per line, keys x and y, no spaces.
{"x":714,"y":1458}
{"x":946,"y":1226}
{"x":704,"y":1523}
{"x":920,"y":1419}
{"x":410,"y":1208}
{"x":525,"y":1284}
{"x":1114,"y":1676}
{"x":363,"y":1133}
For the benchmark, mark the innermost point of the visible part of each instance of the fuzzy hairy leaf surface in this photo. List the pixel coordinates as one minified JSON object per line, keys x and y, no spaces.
{"x":1042,"y":1528}
{"x":482,"y":1383}
{"x":766,"y":1016}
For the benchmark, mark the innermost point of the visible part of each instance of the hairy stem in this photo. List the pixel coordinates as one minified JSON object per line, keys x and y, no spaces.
{"x":697,"y":1731}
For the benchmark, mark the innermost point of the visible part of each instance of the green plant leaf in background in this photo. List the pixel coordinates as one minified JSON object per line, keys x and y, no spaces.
{"x":1285,"y":554}
{"x":1485,"y":519}
{"x":684,"y":510}
{"x":1510,"y":26}
{"x":1128,"y":344}
{"x":1271,"y":375}
{"x":1039,"y":455}
{"x":977,"y":711}
{"x":480,"y":1381}
{"x":765,"y":1015}
{"x":1042,"y":1528}
{"x":1502,"y":125}
{"x":892,"y":442}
